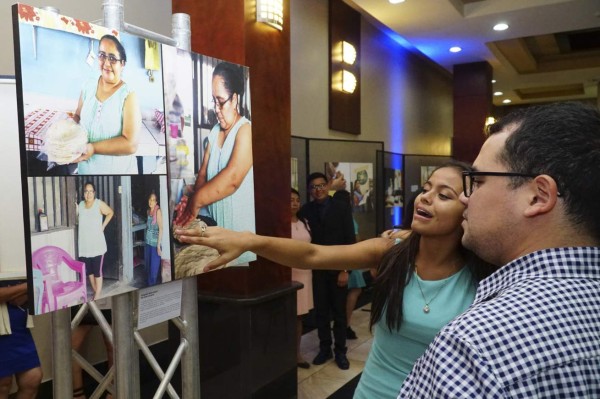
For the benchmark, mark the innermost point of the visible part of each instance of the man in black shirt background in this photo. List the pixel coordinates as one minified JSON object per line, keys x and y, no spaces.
{"x":330,"y":222}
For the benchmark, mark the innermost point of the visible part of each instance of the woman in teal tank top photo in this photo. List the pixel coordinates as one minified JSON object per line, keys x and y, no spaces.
{"x":153,"y":241}
{"x":109,"y":111}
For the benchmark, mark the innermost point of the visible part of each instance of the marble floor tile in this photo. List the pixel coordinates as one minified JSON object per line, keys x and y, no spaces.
{"x":318,"y":382}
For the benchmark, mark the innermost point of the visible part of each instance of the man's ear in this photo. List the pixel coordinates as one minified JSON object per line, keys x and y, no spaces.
{"x":543,"y":196}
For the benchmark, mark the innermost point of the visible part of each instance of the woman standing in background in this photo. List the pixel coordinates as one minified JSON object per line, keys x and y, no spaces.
{"x":304,"y":296}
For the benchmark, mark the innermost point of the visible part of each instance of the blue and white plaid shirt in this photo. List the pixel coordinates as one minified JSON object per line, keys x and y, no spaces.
{"x":533,"y":331}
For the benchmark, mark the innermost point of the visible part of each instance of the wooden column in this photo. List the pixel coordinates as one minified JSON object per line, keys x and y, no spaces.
{"x":247,"y":316}
{"x":472,"y":105}
{"x":228,"y":30}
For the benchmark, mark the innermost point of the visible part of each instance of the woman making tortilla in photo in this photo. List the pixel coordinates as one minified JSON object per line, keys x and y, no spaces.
{"x":225,"y":179}
{"x":108,"y":110}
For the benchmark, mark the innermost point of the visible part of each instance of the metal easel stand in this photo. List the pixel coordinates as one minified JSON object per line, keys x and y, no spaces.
{"x":126,"y":355}
{"x":104,"y":381}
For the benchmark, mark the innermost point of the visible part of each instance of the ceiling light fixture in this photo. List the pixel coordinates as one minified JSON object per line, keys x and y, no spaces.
{"x":455,"y":49}
{"x":396,"y":1}
{"x":506,"y":101}
{"x":500,"y":27}
{"x":493,"y":81}
{"x":498,"y":93}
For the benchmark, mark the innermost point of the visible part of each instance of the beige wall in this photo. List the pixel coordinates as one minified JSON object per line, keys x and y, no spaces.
{"x":406,"y":100}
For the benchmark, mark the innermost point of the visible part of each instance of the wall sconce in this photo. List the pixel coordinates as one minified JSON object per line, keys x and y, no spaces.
{"x":348,"y":82}
{"x":348,"y":53}
{"x":344,"y":67}
{"x":270,"y":12}
{"x":344,"y":81}
{"x":490,"y":120}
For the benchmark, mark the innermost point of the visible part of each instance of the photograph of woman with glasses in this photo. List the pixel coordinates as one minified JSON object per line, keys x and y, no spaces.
{"x":93,"y":215}
{"x":108,"y":110}
{"x":224,"y":188}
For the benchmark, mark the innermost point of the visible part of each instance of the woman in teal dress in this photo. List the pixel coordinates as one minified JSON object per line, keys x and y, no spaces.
{"x":153,"y":241}
{"x":108,"y":110}
{"x":422,"y":282}
{"x":224,"y":188}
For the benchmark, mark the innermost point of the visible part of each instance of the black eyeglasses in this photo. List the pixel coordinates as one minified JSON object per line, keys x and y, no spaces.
{"x":321,"y":186}
{"x":217,"y":103}
{"x":470,"y":181}
{"x":102,"y":56}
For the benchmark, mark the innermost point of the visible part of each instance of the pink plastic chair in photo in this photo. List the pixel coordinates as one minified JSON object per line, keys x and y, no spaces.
{"x":58,"y":294}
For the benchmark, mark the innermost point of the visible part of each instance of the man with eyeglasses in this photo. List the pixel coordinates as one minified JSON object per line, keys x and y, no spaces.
{"x":533,"y":330}
{"x":330,"y":222}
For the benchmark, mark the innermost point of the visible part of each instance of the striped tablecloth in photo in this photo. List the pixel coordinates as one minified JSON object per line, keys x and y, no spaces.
{"x":37,"y":123}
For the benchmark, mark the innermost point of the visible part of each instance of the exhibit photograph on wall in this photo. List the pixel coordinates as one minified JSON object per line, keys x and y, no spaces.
{"x":359,"y":183}
{"x":221,"y":193}
{"x":394,"y":198}
{"x":105,"y":167}
{"x":90,"y":106}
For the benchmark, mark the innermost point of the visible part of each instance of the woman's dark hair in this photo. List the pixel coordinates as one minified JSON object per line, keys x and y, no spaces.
{"x":233,"y":78}
{"x":89,"y":183}
{"x":397,"y":266}
{"x":409,"y":209}
{"x":151,"y":193}
{"x":120,"y":48}
{"x":294,"y":191}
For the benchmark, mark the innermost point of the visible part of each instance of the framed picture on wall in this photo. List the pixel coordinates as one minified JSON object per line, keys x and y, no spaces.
{"x":356,"y":160}
{"x":391,"y":169}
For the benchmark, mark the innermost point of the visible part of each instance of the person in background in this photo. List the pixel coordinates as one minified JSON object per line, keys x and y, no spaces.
{"x":304,"y":296}
{"x":330,"y":221}
{"x":108,"y":110}
{"x":153,"y":241}
{"x":423,"y":281}
{"x":531,"y":207}
{"x":93,"y":215}
{"x":19,"y":356}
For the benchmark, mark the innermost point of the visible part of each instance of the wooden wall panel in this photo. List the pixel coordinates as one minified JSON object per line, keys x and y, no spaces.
{"x":228,"y":30}
{"x":217,"y":27}
{"x":344,"y":108}
{"x":472,"y":105}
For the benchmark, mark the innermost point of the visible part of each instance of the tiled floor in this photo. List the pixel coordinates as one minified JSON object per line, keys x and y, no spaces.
{"x":318,"y":382}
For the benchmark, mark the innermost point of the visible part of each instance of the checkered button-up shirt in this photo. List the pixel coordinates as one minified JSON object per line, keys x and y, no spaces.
{"x":533,"y":331}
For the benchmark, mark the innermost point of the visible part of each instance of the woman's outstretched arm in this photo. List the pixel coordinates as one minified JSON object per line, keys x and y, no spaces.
{"x":285,"y":251}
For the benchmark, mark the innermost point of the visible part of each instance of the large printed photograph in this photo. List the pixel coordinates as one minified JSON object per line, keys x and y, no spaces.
{"x":221,"y":192}
{"x":96,"y":236}
{"x":122,"y":139}
{"x":92,"y":98}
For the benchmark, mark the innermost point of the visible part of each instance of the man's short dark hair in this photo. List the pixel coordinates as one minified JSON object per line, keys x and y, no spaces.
{"x":315,"y":175}
{"x":561,"y":140}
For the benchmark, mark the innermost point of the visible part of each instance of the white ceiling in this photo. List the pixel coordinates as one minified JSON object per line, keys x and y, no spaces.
{"x":433,"y":26}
